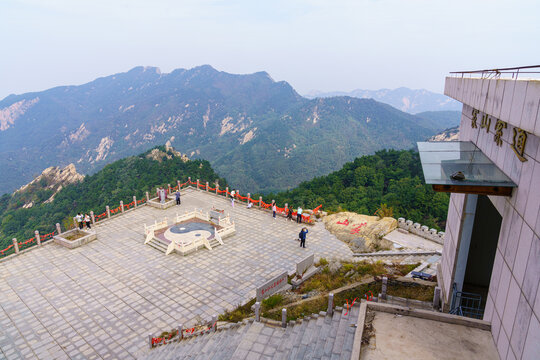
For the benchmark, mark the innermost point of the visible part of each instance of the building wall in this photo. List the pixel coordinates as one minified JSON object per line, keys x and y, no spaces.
{"x":513,"y":304}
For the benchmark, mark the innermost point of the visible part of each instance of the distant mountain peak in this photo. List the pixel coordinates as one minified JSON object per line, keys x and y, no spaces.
{"x":408,"y":100}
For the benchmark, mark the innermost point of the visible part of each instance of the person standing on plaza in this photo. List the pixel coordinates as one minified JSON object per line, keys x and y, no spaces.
{"x":87,"y":221}
{"x":299,"y":215}
{"x":302,"y":237}
{"x":274,"y":210}
{"x":79,"y":219}
{"x":177,"y":197}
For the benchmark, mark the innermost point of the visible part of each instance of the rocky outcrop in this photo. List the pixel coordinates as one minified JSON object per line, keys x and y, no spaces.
{"x":9,"y":114}
{"x":169,"y":153}
{"x":363,"y":233}
{"x":52,"y":178}
{"x":447,"y":135}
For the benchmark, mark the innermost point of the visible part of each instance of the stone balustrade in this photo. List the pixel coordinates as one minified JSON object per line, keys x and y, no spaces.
{"x":421,"y":230}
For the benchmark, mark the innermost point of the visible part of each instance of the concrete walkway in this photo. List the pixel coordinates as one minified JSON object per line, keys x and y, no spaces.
{"x":101,"y":300}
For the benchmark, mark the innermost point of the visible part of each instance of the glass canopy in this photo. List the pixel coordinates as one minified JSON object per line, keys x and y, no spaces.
{"x":441,"y":160}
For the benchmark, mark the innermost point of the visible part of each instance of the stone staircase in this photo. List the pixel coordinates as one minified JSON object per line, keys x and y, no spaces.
{"x":319,"y":336}
{"x":158,"y":245}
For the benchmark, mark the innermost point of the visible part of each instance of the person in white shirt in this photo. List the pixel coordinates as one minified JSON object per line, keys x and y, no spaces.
{"x":87,"y":221}
{"x":299,"y":215}
{"x":274,"y":209}
{"x":79,"y":219}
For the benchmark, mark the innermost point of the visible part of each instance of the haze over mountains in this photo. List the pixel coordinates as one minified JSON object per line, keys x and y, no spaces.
{"x":259,"y":134}
{"x":405,"y":99}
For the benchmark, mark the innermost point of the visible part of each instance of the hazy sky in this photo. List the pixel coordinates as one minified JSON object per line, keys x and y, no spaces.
{"x":322,"y":45}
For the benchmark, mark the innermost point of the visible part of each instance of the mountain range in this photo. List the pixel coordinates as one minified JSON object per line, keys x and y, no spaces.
{"x":258,"y":133}
{"x":412,"y":101}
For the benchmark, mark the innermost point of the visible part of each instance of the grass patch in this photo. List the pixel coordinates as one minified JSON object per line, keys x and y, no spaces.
{"x":239,"y":313}
{"x":411,"y":291}
{"x":273,"y":301}
{"x":75,"y":235}
{"x":403,"y":270}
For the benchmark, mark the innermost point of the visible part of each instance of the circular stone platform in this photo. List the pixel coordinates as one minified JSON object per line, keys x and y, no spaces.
{"x":186,"y":233}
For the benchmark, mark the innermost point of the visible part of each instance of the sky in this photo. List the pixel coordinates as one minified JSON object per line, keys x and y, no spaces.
{"x":336,"y":45}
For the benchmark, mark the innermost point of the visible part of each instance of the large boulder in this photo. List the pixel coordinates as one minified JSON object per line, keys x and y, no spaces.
{"x":363,"y":233}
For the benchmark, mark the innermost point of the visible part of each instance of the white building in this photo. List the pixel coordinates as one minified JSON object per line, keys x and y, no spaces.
{"x":491,"y":259}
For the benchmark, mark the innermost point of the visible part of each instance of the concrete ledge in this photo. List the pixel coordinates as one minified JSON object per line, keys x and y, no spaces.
{"x":430,"y":315}
{"x":357,"y":340}
{"x":158,"y":205}
{"x":309,"y":273}
{"x":72,"y":244}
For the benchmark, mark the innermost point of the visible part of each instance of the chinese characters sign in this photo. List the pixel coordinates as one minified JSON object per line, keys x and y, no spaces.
{"x":518,"y":140}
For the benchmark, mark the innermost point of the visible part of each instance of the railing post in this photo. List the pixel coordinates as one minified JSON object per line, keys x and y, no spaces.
{"x":249,"y":198}
{"x":384,"y":285}
{"x":169,"y":185}
{"x":257,"y":311}
{"x":147,"y":196}
{"x":15,"y":245}
{"x":121,"y":206}
{"x":38,"y":238}
{"x":227,"y":192}
{"x":330,"y":309}
{"x":207,"y":186}
{"x":178,"y":184}
{"x":108,"y":212}
{"x":134,"y":201}
{"x":92,"y":216}
{"x":198,"y":184}
{"x":217,"y":189}
{"x":58,"y":228}
{"x":150,"y":341}
{"x":75,"y":222}
{"x":284,"y":317}
{"x":189,"y":181}
{"x":436,"y":297}
{"x":181,"y":331}
{"x":260,"y":201}
{"x":214,"y":322}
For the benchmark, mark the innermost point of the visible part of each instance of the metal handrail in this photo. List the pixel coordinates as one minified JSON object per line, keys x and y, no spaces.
{"x":497,"y":73}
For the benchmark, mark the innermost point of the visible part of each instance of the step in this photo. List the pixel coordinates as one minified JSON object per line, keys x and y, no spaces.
{"x":312,"y":341}
{"x":331,"y":335}
{"x":349,"y":339}
{"x":323,"y":335}
{"x":341,"y":332}
{"x":297,"y":338}
{"x":305,"y":341}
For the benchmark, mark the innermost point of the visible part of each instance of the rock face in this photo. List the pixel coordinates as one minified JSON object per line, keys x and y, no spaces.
{"x":52,"y":178}
{"x":363,"y":233}
{"x":158,"y":155}
{"x":447,"y":135}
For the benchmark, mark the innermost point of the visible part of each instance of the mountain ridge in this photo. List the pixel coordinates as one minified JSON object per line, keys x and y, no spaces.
{"x":237,"y":122}
{"x":413,"y":101}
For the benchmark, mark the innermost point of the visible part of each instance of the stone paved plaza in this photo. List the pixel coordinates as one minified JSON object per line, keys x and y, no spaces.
{"x":102,"y":300}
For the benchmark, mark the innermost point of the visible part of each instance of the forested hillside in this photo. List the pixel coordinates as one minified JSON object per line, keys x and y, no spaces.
{"x":117,"y":181}
{"x":389,"y":177}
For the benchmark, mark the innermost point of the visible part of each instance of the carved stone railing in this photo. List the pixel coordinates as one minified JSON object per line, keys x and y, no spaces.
{"x":421,"y":230}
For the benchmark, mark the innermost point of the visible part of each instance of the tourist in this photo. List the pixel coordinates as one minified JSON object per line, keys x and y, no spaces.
{"x":87,"y":221}
{"x":233,"y":193}
{"x":289,"y":214}
{"x":232,"y":201}
{"x":299,"y":215}
{"x":79,"y":219}
{"x":274,"y":209}
{"x":177,"y":197}
{"x":302,"y":237}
